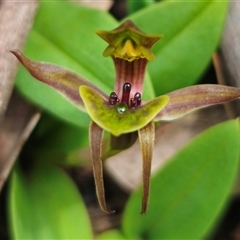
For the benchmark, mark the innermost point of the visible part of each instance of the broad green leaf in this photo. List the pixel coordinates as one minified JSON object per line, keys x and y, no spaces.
{"x":191,"y":34}
{"x":133,"y":6}
{"x":111,"y":234}
{"x":71,"y":42}
{"x":46,"y":205}
{"x":59,"y":136}
{"x":19,"y":212}
{"x":189,"y":194}
{"x":56,"y":140}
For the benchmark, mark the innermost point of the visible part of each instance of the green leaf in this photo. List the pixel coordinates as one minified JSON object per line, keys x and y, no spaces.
{"x":56,"y":141}
{"x":71,"y":42}
{"x":56,"y":136}
{"x":46,"y":205}
{"x":134,"y":6}
{"x":111,"y":234}
{"x":189,"y":194}
{"x":191,"y":34}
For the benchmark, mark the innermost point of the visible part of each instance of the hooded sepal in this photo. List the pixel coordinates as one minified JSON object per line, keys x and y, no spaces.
{"x":120,"y":119}
{"x":128,"y":42}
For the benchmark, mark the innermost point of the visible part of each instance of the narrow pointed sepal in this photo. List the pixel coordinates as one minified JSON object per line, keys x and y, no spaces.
{"x":186,"y":100}
{"x":95,"y":135}
{"x":61,"y":79}
{"x":120,"y":119}
{"x":146,"y":138}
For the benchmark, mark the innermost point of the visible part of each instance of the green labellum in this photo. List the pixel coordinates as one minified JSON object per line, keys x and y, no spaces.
{"x":119,"y":119}
{"x":122,"y":108}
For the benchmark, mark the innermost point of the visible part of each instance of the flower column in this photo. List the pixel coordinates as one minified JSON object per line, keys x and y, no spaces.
{"x":130,"y":50}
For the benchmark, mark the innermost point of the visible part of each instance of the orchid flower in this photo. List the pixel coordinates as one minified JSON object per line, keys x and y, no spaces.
{"x":123,"y":111}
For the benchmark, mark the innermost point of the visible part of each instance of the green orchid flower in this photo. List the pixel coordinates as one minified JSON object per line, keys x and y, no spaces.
{"x":123,"y":111}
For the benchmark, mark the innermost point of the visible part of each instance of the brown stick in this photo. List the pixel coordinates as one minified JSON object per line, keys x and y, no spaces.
{"x":15,"y":21}
{"x":20,"y":119}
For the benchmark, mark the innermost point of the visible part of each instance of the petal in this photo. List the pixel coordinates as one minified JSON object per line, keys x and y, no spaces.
{"x":146,"y":139}
{"x":61,"y":79}
{"x":186,"y":100}
{"x":119,"y":119}
{"x":95,"y":135}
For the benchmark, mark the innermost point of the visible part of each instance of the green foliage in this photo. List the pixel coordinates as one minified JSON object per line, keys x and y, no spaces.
{"x":46,"y":205}
{"x":134,"y":6}
{"x":57,"y":141}
{"x":189,"y":194}
{"x":111,"y":234}
{"x":191,"y":34}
